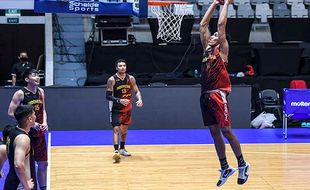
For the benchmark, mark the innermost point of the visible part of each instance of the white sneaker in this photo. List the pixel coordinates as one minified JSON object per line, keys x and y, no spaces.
{"x":116,"y":156}
{"x":243,"y":173}
{"x":225,"y":174}
{"x":124,"y":152}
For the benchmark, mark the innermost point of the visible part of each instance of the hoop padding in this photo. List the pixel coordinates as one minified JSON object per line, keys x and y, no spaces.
{"x":170,"y":15}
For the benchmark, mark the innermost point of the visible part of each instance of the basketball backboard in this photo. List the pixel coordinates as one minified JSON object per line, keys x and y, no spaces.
{"x":136,"y":8}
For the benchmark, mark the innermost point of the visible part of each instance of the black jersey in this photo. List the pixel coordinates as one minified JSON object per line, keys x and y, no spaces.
{"x":123,"y":90}
{"x":12,"y":181}
{"x":35,"y":100}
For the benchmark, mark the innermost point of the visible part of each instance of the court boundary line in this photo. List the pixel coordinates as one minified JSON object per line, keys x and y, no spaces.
{"x":185,"y":151}
{"x":49,"y":152}
{"x":175,"y":144}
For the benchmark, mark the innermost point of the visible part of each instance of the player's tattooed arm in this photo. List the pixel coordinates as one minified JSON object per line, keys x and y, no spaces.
{"x":109,"y":91}
{"x":110,"y":84}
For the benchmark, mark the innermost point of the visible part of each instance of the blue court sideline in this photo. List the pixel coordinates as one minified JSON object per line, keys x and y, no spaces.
{"x":187,"y":136}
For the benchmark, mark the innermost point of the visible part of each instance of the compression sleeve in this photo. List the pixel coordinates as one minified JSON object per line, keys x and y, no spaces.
{"x":110,"y":97}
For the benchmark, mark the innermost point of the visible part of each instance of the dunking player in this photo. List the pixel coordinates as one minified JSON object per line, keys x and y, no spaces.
{"x":20,"y":153}
{"x":119,"y":93}
{"x":215,"y":87}
{"x":3,"y":140}
{"x":32,"y":95}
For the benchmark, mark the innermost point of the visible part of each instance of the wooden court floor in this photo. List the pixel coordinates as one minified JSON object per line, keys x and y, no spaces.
{"x":178,"y":167}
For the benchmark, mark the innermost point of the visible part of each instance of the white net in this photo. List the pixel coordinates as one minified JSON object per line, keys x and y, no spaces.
{"x":170,"y":20}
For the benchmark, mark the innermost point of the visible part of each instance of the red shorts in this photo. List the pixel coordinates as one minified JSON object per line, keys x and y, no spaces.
{"x":40,"y":149}
{"x":120,"y":118}
{"x":215,"y":109}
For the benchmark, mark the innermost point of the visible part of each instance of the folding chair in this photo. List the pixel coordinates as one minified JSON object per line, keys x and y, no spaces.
{"x":269,"y":102}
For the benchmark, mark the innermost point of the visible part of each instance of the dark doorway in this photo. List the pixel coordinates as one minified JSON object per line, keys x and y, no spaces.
{"x":16,"y":38}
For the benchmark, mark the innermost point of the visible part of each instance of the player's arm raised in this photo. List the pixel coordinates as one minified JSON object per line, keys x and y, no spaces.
{"x":204,"y":23}
{"x":221,"y":29}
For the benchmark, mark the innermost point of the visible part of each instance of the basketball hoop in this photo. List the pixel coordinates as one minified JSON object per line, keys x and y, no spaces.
{"x":170,"y":15}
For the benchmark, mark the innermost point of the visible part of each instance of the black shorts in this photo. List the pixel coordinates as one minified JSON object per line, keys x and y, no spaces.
{"x":120,"y":118}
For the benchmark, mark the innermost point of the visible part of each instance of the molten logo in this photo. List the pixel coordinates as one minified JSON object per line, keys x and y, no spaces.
{"x":83,"y":6}
{"x":300,"y":104}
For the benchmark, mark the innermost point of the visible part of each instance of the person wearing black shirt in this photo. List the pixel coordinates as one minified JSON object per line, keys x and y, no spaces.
{"x":20,"y":67}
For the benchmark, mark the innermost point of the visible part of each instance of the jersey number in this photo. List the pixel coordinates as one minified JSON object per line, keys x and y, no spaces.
{"x":37,"y":107}
{"x":124,"y":91}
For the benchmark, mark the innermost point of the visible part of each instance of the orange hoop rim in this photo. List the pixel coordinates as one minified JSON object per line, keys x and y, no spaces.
{"x":165,"y":3}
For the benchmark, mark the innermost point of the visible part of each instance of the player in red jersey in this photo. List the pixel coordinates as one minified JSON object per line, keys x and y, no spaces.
{"x":215,"y":87}
{"x":119,"y":92}
{"x":33,"y":95}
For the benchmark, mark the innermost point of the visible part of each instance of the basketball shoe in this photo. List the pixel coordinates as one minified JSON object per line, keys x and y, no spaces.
{"x":225,"y":174}
{"x":116,"y":156}
{"x":124,"y":152}
{"x":243,"y":173}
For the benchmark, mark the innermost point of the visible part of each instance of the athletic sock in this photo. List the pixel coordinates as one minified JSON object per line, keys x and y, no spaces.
{"x":224,"y":164}
{"x":241,"y":162}
{"x":122,"y":145}
{"x":116,"y":147}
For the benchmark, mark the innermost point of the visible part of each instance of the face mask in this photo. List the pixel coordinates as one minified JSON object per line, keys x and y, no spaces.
{"x":23,"y":59}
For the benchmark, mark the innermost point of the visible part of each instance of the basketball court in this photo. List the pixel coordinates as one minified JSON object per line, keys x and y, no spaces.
{"x":172,"y":159}
{"x":176,"y":159}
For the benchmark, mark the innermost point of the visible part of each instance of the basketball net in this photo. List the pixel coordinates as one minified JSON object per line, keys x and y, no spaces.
{"x":170,"y":20}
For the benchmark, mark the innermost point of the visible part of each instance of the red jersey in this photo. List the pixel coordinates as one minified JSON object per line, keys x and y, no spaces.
{"x":214,"y":75}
